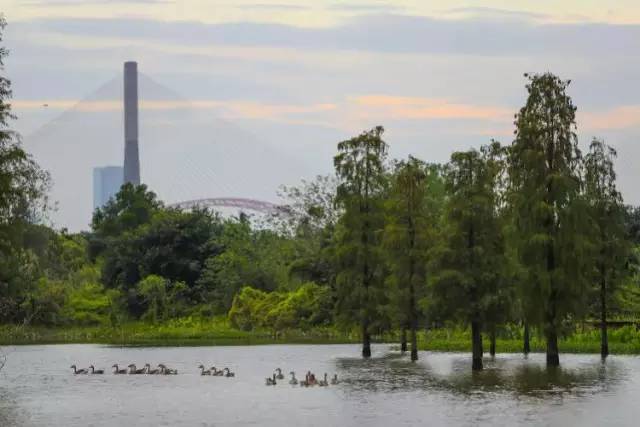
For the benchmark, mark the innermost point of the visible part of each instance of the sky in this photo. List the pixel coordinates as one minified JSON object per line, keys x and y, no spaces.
{"x":296,"y":77}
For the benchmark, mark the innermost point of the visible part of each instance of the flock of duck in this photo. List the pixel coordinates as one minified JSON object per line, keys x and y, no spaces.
{"x":309,"y":379}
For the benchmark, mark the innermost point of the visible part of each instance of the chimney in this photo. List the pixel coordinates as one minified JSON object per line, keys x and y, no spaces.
{"x":131,"y":156}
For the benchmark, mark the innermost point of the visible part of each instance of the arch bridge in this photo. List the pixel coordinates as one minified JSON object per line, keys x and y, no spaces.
{"x":232,"y":202}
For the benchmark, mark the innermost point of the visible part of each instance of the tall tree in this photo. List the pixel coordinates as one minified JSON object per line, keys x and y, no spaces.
{"x":545,"y":185}
{"x":23,"y":200}
{"x":468,"y":260}
{"x":406,"y":236}
{"x":607,"y":211}
{"x":360,"y":167}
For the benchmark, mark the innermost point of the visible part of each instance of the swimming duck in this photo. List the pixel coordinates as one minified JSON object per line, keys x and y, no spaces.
{"x":95,"y":371}
{"x":324,"y":382}
{"x":118,"y":371}
{"x":216,"y":373}
{"x":202,"y":371}
{"x":134,"y":371}
{"x":271,"y":381}
{"x":151,"y":371}
{"x":293,"y":380}
{"x":334,"y":380}
{"x":229,"y":373}
{"x":167,"y":371}
{"x":77,"y":371}
{"x":279,"y":376}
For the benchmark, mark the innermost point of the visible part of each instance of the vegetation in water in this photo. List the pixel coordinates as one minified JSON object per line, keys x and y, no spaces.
{"x":509,"y":247}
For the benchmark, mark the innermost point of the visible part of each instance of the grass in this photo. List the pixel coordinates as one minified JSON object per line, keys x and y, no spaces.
{"x":218,"y":331}
{"x":625,"y":340}
{"x":187,"y":331}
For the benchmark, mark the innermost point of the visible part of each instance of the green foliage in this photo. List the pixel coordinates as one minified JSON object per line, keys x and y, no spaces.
{"x":307,"y":307}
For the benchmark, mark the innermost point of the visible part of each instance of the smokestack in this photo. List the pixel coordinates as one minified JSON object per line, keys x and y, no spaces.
{"x":131,"y":157}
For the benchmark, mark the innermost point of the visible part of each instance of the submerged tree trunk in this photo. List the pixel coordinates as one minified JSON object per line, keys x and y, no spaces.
{"x":492,"y":344}
{"x":403,"y":340}
{"x":553,"y":357}
{"x":476,"y":346}
{"x":414,"y":344}
{"x":366,"y":339}
{"x":604,"y":344}
{"x":527,"y":345}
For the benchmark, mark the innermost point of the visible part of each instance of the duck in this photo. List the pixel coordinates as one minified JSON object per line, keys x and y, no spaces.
{"x":293,"y":380}
{"x":151,"y":371}
{"x":216,"y":373}
{"x":167,"y":371}
{"x":334,"y":380}
{"x":324,"y":382}
{"x":311,"y":379}
{"x":229,"y":373}
{"x":77,"y":371}
{"x":95,"y":371}
{"x":134,"y":371}
{"x":271,"y":381}
{"x":118,"y":371}
{"x":279,"y":376}
{"x":202,"y":371}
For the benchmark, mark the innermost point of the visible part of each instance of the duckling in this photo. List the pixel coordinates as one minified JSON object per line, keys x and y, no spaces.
{"x":118,"y":371}
{"x":134,"y":371}
{"x":151,"y":371}
{"x":293,"y":380}
{"x":77,"y":371}
{"x":279,"y":376}
{"x":95,"y":371}
{"x":334,"y":380}
{"x":324,"y":382}
{"x":202,"y":371}
{"x":229,"y":373}
{"x":271,"y":381}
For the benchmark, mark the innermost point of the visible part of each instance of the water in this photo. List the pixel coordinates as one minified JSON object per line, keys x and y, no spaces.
{"x":38,"y":389}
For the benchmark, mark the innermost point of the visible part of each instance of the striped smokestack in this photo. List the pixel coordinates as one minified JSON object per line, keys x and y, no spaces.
{"x":131,"y":156}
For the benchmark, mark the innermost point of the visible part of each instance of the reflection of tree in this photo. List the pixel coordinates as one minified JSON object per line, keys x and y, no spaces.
{"x":515,"y":376}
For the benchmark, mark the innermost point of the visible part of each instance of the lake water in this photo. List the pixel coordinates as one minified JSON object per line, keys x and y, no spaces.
{"x":37,"y":388}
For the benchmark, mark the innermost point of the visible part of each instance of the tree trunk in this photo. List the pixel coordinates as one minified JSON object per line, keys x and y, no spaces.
{"x":403,"y":340}
{"x":476,"y":345}
{"x":492,"y":344}
{"x":414,"y":344}
{"x":553,"y":357}
{"x":604,"y":345}
{"x":527,"y":345}
{"x":366,"y":339}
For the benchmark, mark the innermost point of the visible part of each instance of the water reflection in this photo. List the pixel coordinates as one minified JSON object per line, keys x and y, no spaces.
{"x":507,"y":374}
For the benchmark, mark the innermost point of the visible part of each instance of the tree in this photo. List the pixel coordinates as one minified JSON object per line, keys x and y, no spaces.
{"x":468,"y":260}
{"x":23,"y":201}
{"x":154,"y":291}
{"x":544,"y":193}
{"x":607,"y":212}
{"x":407,"y":231}
{"x":360,"y":167}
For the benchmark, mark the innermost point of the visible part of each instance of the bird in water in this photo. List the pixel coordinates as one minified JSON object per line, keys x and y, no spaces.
{"x":271,"y":381}
{"x":118,"y":371}
{"x":202,"y":371}
{"x":324,"y":382}
{"x":217,"y":373}
{"x":334,"y":380}
{"x":279,"y":376}
{"x":229,"y":373}
{"x":167,"y":371}
{"x":134,"y":371}
{"x":95,"y":371}
{"x":293,"y":380}
{"x":151,"y":371}
{"x":77,"y":371}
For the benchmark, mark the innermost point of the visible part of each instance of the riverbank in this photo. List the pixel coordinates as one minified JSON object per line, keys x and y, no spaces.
{"x":195,"y":332}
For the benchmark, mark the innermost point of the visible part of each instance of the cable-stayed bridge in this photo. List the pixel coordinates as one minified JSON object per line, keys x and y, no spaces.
{"x":188,"y":155}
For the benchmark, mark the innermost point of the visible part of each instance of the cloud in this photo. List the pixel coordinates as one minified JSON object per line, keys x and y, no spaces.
{"x":365,"y":7}
{"x":622,"y":117}
{"x":48,"y":3}
{"x":388,"y":33}
{"x":490,"y":12}
{"x":415,"y":108}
